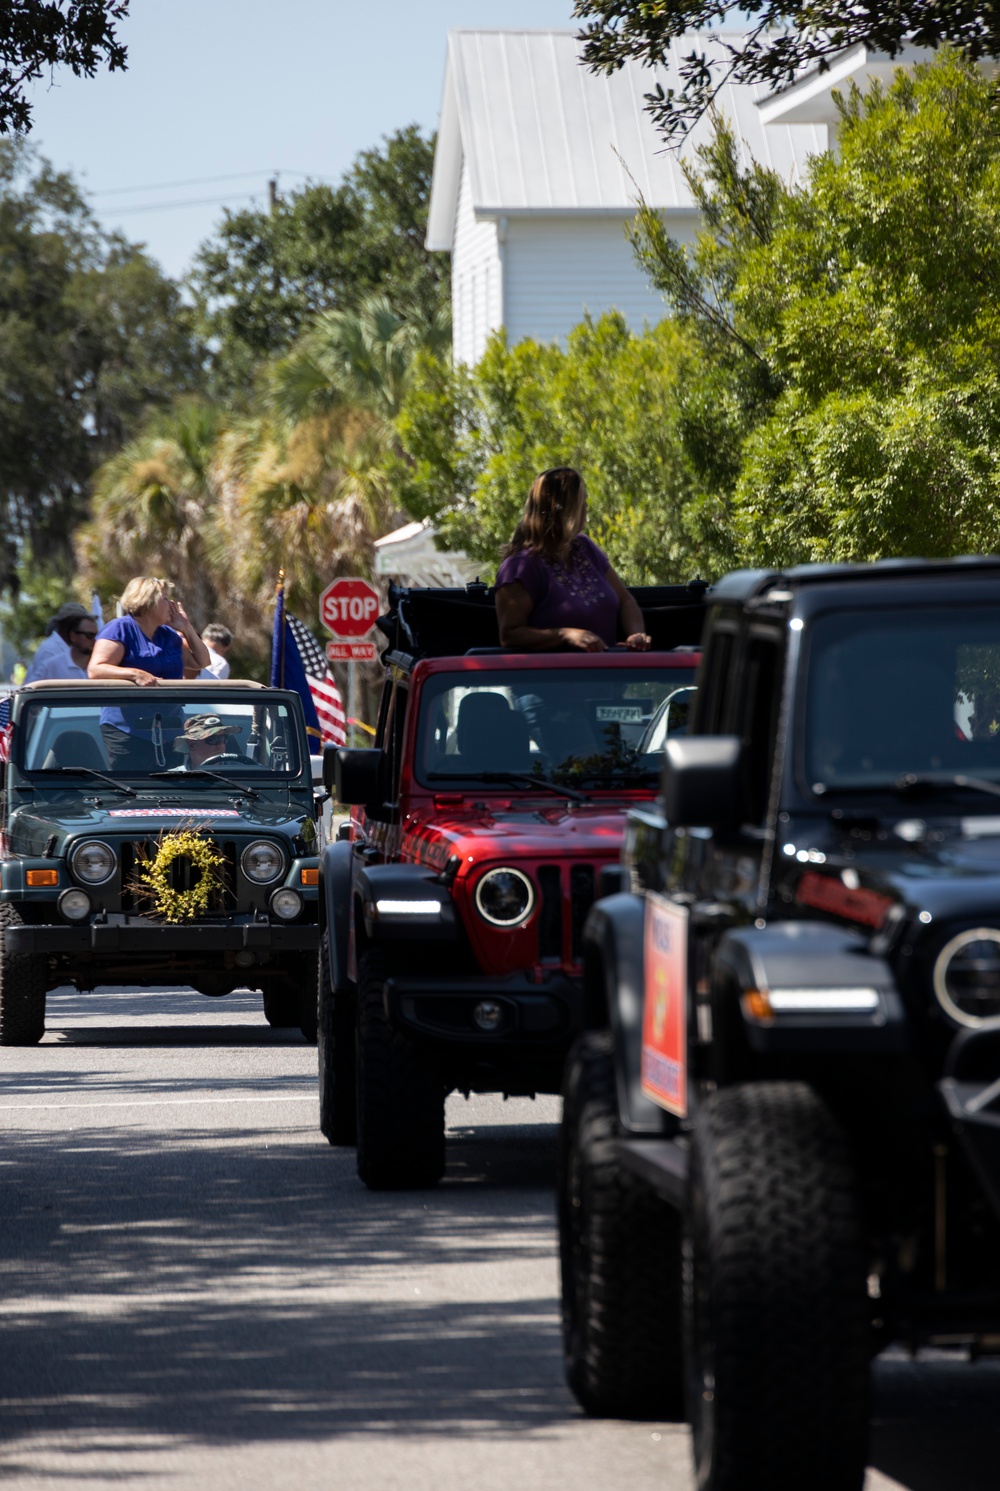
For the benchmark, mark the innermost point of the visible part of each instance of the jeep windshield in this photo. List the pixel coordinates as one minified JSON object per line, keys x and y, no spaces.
{"x":903,"y":698}
{"x":113,"y":739}
{"x":576,"y":727}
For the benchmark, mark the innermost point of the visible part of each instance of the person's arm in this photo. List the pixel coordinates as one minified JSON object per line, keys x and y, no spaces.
{"x":629,"y":614}
{"x":190,"y":639}
{"x":105,"y":662}
{"x":514,"y":607}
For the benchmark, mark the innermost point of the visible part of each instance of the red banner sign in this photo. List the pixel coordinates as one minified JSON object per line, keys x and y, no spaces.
{"x":351,"y":652}
{"x":664,"y":1015}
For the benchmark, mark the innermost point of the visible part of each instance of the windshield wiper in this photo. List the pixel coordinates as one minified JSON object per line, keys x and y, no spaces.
{"x":911,"y":782}
{"x":91,"y":771}
{"x":543,"y":783}
{"x":216,"y":776}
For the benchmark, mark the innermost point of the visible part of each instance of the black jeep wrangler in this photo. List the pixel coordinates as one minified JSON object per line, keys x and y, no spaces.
{"x":780,"y":1148}
{"x":487,"y":810}
{"x":97,"y":887}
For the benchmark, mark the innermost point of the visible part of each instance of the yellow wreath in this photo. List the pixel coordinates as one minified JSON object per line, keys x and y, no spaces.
{"x":153,"y":881}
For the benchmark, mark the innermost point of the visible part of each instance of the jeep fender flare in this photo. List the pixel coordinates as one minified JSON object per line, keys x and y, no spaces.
{"x":803,"y":956}
{"x":335,"y":870}
{"x":405,"y":903}
{"x":614,"y":960}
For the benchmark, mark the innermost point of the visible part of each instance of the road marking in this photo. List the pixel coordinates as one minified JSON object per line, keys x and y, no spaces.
{"x":297,"y":1097}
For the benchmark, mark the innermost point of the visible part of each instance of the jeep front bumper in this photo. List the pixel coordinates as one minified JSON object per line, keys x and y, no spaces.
{"x":138,"y":935}
{"x":445,"y":1008}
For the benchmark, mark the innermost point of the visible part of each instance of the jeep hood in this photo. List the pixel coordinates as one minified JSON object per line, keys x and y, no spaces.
{"x":502,"y":831}
{"x":33,"y":825}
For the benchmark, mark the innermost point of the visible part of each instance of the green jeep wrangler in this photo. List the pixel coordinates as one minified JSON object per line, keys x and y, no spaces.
{"x":161,"y":835}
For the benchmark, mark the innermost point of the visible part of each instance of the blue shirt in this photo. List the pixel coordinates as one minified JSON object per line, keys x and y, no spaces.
{"x":161,"y":655}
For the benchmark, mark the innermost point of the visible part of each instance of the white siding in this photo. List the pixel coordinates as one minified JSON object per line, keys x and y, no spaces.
{"x":556,"y":269}
{"x":476,"y":290}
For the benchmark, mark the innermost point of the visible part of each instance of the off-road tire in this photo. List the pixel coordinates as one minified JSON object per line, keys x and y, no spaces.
{"x":294,"y":1009}
{"x":22,"y":989}
{"x":775,"y":1307}
{"x":619,"y":1255}
{"x":400,"y":1095}
{"x":338,"y":1112}
{"x":308,"y":1021}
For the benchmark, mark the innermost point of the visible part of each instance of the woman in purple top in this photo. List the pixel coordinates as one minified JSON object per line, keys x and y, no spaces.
{"x":148,"y":642}
{"x":555,"y":587}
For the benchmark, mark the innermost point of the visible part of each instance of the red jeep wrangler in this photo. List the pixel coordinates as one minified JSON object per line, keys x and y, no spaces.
{"x":487,"y":818}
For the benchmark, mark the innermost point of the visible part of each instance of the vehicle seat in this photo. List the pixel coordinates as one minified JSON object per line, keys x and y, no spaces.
{"x":75,"y":748}
{"x":490,"y":736}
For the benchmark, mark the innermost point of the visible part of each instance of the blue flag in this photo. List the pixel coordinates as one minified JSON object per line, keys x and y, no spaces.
{"x":288,"y":672}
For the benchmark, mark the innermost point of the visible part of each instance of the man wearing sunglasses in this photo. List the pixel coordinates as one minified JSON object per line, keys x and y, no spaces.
{"x":78,"y":633}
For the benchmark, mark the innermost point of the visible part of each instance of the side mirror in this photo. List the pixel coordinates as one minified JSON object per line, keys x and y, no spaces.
{"x":329,"y":771}
{"x":703,"y":781}
{"x":357,"y":774}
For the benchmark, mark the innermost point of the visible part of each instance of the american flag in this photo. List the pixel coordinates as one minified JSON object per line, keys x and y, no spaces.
{"x":325,"y":693}
{"x":6,"y":728}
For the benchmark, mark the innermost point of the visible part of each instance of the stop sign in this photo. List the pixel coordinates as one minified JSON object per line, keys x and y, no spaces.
{"x":348,"y":607}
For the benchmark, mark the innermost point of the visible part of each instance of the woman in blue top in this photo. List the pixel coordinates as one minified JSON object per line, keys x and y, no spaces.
{"x":148,"y":642}
{"x":555,"y":587}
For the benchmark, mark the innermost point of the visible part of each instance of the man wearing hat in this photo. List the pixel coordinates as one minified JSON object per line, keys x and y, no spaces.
{"x":205,"y":739}
{"x":66,"y":650}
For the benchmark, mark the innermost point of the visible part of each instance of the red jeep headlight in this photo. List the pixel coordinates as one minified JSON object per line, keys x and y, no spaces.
{"x":505,"y":897}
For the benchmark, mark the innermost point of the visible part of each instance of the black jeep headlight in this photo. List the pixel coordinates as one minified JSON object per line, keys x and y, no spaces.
{"x":263,"y":862}
{"x":93,"y":862}
{"x":505,"y":897}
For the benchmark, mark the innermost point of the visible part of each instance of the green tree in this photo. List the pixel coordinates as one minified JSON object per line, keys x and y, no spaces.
{"x":362,"y":357}
{"x":91,"y":337}
{"x":266,"y":276}
{"x":850,"y":367}
{"x":473,"y":441}
{"x":775,"y":42}
{"x":39,"y":35}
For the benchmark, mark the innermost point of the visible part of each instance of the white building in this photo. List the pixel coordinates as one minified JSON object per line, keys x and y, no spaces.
{"x":538,"y":168}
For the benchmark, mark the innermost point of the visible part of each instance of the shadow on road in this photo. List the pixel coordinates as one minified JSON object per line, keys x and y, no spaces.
{"x":248,"y":1289}
{"x":936,"y":1423}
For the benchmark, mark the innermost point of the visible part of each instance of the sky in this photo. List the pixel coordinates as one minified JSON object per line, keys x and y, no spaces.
{"x":221,"y":95}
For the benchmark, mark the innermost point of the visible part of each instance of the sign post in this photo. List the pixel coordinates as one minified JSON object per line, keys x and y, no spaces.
{"x":348,"y":608}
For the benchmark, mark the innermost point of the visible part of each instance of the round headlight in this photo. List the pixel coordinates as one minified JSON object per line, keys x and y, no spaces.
{"x":967,"y":976}
{"x":286,"y":904}
{"x":263,"y":861}
{"x":93,"y":862}
{"x":505,"y":897}
{"x":74,"y":905}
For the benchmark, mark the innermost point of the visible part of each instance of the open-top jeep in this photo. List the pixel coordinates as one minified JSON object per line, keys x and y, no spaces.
{"x":96,"y":887}
{"x":485,"y":814}
{"x":781,"y":1140}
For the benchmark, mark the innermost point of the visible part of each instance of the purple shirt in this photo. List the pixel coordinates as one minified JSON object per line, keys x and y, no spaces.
{"x":574,"y":594}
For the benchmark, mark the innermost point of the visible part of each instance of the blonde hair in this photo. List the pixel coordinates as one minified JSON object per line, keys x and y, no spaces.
{"x":142,"y":593}
{"x":553,"y":514}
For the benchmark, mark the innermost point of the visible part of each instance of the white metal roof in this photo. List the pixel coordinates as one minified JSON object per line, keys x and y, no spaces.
{"x":542,"y":134}
{"x":810,"y":98}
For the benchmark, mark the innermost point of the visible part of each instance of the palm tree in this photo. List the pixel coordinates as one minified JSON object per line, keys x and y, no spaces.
{"x":361,"y":357}
{"x":153,"y":508}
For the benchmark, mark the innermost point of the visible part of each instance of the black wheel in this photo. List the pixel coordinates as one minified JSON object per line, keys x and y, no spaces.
{"x":308,"y":1021}
{"x":400,"y":1095}
{"x":294,"y":1009}
{"x":338,"y":1115}
{"x":22,"y":989}
{"x":619,"y":1255}
{"x":775,"y":1307}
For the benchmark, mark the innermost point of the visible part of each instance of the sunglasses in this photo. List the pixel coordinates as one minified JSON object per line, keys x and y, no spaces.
{"x":78,"y":631}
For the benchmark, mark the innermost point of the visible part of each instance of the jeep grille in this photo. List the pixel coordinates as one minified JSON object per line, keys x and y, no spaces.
{"x":557,"y":941}
{"x":133,"y":852}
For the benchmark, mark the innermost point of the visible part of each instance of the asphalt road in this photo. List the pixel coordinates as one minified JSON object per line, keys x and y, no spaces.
{"x":196,"y":1291}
